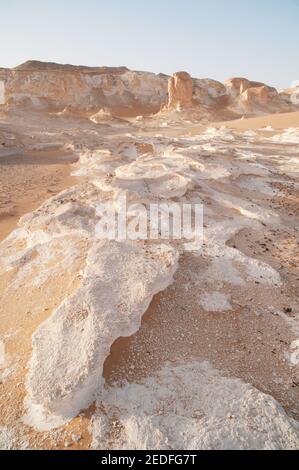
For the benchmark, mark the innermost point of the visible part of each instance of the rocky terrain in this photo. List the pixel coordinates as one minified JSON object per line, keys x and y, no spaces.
{"x":67,"y":88}
{"x":150,"y":343}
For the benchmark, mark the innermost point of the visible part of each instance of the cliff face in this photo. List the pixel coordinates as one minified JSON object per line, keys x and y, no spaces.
{"x":180,"y":91}
{"x":82,"y":88}
{"x":86,"y":90}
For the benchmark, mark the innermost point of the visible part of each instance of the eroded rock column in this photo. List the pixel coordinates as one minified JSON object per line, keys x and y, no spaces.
{"x":180,"y":91}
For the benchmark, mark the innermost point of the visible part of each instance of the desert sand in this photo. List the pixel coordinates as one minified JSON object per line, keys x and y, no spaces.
{"x":28,"y":180}
{"x":121,"y":344}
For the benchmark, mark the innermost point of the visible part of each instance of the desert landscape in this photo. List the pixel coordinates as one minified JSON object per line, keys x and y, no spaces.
{"x":144,"y":344}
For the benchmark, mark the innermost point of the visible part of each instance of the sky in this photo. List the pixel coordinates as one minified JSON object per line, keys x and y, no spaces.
{"x":219,"y":39}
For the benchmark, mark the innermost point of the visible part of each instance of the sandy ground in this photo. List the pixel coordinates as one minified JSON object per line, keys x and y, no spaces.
{"x":277,"y":121}
{"x":249,"y":342}
{"x":28,"y":180}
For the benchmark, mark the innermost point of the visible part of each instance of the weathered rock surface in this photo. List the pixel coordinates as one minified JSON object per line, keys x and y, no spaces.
{"x":291,"y":95}
{"x":254,"y":98}
{"x":180,"y":91}
{"x":237,"y":85}
{"x":56,"y":87}
{"x":122,"y":92}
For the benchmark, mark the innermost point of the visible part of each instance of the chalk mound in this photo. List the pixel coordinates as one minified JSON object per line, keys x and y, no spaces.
{"x":69,"y":349}
{"x":191,"y":406}
{"x":51,"y":87}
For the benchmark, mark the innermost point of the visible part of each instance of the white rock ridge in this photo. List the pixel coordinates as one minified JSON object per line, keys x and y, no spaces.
{"x":85,"y":90}
{"x":191,"y":406}
{"x":70,"y":348}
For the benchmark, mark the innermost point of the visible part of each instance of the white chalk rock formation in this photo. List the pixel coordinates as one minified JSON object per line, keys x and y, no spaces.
{"x":54,"y":87}
{"x":70,"y":348}
{"x":291,"y":95}
{"x":180,"y":91}
{"x":236,"y":86}
{"x":84,"y":90}
{"x":192,"y":406}
{"x":255,"y":98}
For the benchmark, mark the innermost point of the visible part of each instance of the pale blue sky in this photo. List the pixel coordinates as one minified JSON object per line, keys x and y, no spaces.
{"x":258,"y":39}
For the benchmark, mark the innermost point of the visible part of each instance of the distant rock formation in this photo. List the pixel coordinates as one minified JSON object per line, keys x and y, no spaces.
{"x":236,"y":86}
{"x":180,"y":91}
{"x":291,"y":95}
{"x":255,"y":98}
{"x":54,"y":87}
{"x":69,"y":90}
{"x":261,"y":95}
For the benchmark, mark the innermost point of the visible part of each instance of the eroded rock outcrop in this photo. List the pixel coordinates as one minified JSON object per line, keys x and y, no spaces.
{"x":180,"y":91}
{"x":54,"y":87}
{"x":253,"y":98}
{"x":109,"y":304}
{"x":238,"y":85}
{"x":208,"y":92}
{"x":291,"y":95}
{"x":71,"y":90}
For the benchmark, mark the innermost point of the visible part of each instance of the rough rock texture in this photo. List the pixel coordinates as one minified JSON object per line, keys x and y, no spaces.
{"x":118,"y":285}
{"x":209,"y":92}
{"x":254,"y":98}
{"x":236,"y":86}
{"x":291,"y":95}
{"x":86,"y":90}
{"x":56,"y":87}
{"x":180,"y":91}
{"x":192,"y":406}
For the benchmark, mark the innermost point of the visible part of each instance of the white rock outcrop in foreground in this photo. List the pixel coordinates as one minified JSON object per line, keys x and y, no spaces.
{"x":191,"y":406}
{"x":70,"y":348}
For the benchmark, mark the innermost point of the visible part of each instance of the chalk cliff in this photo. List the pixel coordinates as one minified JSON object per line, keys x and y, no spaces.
{"x":122,"y":92}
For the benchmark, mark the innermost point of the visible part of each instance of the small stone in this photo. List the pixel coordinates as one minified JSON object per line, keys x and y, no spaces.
{"x":287,"y":310}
